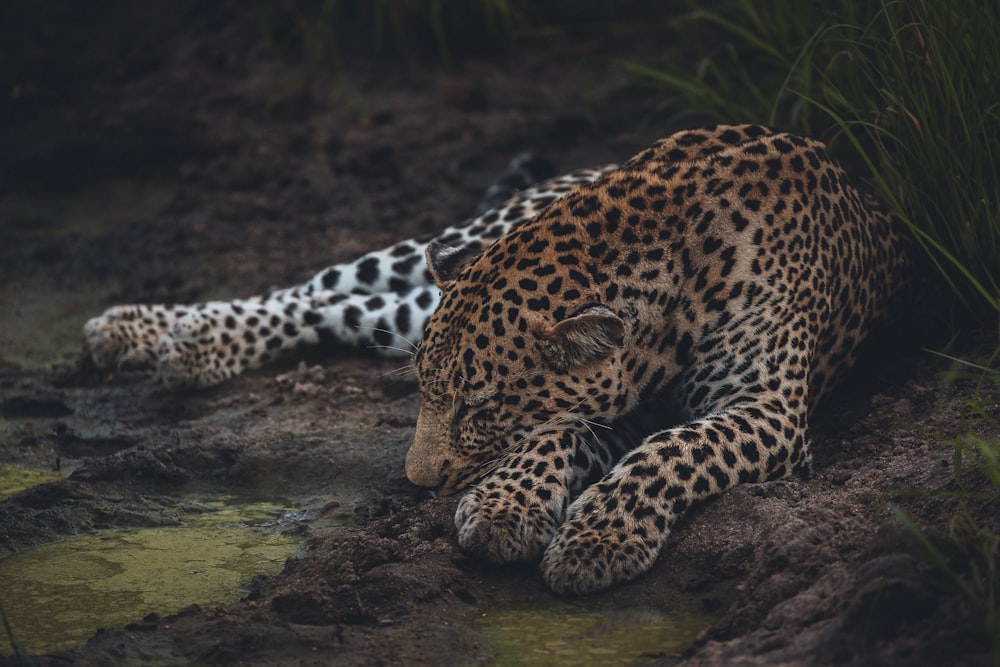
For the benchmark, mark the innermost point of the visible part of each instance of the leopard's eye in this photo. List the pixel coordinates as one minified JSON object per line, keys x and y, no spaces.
{"x":471,"y":405}
{"x":477,"y":399}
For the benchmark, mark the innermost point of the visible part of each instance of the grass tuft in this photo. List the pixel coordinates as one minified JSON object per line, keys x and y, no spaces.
{"x":906,"y":89}
{"x":965,"y":554}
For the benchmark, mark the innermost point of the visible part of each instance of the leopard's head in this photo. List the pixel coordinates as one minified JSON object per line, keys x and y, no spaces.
{"x":498,"y":363}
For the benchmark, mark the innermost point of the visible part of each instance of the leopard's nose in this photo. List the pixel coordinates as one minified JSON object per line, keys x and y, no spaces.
{"x":420,"y":471}
{"x":425,"y":459}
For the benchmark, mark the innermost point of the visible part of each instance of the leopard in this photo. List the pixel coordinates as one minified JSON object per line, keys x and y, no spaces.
{"x":596,"y":353}
{"x":715,"y":287}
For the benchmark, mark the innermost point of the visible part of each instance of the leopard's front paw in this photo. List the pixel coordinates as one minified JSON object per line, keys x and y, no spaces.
{"x":608,"y":538}
{"x":123,"y":338}
{"x":508,"y":524}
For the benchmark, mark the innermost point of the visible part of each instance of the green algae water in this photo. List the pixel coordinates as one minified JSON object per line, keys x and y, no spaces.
{"x":557,"y":634}
{"x":14,"y":479}
{"x":58,"y":595}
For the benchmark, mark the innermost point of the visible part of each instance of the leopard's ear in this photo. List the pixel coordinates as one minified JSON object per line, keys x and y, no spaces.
{"x":588,"y":337}
{"x":445,"y":262}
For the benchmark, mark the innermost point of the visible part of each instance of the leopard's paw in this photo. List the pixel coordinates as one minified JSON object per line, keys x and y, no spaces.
{"x":508,"y":525}
{"x":606,"y":540}
{"x":124,"y":337}
{"x":195,"y":354}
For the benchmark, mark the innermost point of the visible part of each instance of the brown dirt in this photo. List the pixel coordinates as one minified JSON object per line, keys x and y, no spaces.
{"x":226,"y":166}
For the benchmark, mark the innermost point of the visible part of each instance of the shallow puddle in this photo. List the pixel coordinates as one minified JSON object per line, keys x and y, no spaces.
{"x":58,"y":595}
{"x":554,"y":634}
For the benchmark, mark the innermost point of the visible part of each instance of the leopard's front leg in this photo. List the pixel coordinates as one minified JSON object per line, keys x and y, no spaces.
{"x":512,"y":514}
{"x":614,"y":531}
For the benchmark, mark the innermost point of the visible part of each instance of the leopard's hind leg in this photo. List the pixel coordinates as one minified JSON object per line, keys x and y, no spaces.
{"x":220,"y":340}
{"x":380,"y":300}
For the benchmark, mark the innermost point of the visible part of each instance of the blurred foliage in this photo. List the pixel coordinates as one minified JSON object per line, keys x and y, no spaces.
{"x":445,"y":31}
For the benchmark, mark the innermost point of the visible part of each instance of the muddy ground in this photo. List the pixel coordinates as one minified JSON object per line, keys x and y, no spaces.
{"x":161,"y":153}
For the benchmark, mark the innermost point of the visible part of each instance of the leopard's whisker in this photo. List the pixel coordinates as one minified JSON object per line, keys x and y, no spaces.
{"x":587,"y":425}
{"x":389,"y":347}
{"x":394,"y":334}
{"x":401,"y":372}
{"x":593,"y":423}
